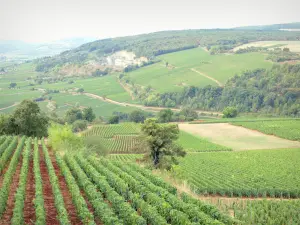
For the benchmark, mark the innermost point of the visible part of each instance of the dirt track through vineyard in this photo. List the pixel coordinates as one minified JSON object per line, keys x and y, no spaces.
{"x":7,"y":215}
{"x":29,"y":209}
{"x":238,"y":138}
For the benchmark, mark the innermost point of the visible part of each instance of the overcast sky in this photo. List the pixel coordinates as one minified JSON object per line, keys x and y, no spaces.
{"x":41,"y":21}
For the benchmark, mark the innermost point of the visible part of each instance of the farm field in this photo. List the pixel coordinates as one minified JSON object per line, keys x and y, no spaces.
{"x":39,"y":186}
{"x":257,"y":173}
{"x":192,"y":143}
{"x":115,"y":138}
{"x":289,"y":129}
{"x":294,"y":46}
{"x":220,"y":67}
{"x":237,"y":138}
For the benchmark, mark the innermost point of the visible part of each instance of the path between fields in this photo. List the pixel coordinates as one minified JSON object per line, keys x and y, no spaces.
{"x":127,"y":89}
{"x":15,"y":104}
{"x":209,"y":77}
{"x":146,"y":108}
{"x":238,"y":138}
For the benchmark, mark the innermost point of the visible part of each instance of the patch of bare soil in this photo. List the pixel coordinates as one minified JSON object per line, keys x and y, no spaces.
{"x":74,"y":219}
{"x":238,"y":138}
{"x":51,"y":213}
{"x":6,"y":217}
{"x":29,"y":210}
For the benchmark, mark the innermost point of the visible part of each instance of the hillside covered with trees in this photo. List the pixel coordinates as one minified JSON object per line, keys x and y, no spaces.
{"x":274,"y":91}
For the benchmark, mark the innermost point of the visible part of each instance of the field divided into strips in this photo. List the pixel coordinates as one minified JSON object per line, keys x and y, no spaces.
{"x":179,"y":72}
{"x":192,"y":143}
{"x":288,"y":129}
{"x":86,"y":190}
{"x":257,"y":173}
{"x":116,"y":138}
{"x":126,"y":157}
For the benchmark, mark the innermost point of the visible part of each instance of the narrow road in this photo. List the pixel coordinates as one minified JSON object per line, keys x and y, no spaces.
{"x":146,"y":108}
{"x":15,"y":104}
{"x":205,"y":75}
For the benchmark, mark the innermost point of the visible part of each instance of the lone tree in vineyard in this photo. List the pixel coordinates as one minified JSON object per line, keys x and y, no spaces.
{"x":160,"y":140}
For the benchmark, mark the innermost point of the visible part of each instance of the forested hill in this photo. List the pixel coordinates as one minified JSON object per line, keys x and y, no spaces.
{"x":154,"y":44}
{"x":274,"y":91}
{"x":286,"y":26}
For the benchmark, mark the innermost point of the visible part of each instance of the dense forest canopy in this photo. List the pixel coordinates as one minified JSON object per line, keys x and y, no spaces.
{"x":154,"y":44}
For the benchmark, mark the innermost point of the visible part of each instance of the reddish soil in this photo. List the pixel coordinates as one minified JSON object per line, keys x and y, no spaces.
{"x":6,"y":217}
{"x":90,"y":207}
{"x":51,"y":213}
{"x":29,"y":210}
{"x":74,"y":219}
{"x":4,"y":171}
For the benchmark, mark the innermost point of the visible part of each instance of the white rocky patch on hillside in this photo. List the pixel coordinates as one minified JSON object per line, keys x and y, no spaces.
{"x":124,"y":59}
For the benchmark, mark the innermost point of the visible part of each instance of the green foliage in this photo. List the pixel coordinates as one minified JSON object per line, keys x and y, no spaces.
{"x":256,"y":173}
{"x":88,"y":114}
{"x":113,"y":119}
{"x":230,"y":112}
{"x":137,"y":116}
{"x":288,"y":129}
{"x":192,"y":143}
{"x":27,"y":119}
{"x":62,"y":138}
{"x":161,"y":141}
{"x":79,"y":125}
{"x":165,"y":116}
{"x":72,"y":115}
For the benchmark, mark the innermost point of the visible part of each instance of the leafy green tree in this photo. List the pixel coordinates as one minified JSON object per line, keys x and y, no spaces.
{"x":165,"y":116}
{"x":79,"y":125}
{"x":113,"y":120}
{"x":72,"y":115}
{"x":137,"y":116}
{"x":160,"y":139}
{"x":88,"y":114}
{"x":230,"y":112}
{"x":12,"y":85}
{"x":27,"y":120}
{"x":80,"y":90}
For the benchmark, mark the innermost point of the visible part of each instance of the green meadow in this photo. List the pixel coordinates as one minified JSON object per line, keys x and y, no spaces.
{"x":179,"y":74}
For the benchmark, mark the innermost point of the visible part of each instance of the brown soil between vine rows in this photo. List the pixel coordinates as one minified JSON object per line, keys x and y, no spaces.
{"x":73,"y":216}
{"x":7,"y":215}
{"x":29,"y":209}
{"x":51,"y":212}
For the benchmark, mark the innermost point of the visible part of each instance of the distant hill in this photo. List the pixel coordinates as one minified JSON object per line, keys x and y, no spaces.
{"x":94,"y":54}
{"x":282,"y":26}
{"x":19,"y":50}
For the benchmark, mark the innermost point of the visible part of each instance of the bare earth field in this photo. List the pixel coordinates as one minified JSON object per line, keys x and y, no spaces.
{"x":237,"y":138}
{"x":294,"y":46}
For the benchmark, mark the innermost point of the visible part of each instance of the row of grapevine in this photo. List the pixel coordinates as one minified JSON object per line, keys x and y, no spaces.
{"x":120,"y":144}
{"x":39,"y":198}
{"x":101,"y":208}
{"x":18,"y":213}
{"x":80,"y":204}
{"x":108,"y":131}
{"x":6,"y":154}
{"x":126,"y":157}
{"x":123,"y":209}
{"x":248,"y":173}
{"x":58,"y":198}
{"x":8,"y":176}
{"x":193,"y":213}
{"x":5,"y":144}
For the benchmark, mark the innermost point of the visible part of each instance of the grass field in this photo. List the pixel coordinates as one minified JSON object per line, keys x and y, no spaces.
{"x":254,"y":173}
{"x":179,"y":74}
{"x":289,"y":129}
{"x":294,"y":46}
{"x":237,"y":138}
{"x":192,"y":143}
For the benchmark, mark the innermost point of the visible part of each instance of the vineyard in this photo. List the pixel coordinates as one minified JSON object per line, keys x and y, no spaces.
{"x":257,"y":173}
{"x":191,"y":143}
{"x":42,"y":187}
{"x":116,"y":138}
{"x":288,"y":129}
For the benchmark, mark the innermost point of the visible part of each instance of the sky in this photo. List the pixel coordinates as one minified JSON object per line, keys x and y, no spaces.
{"x":44,"y":21}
